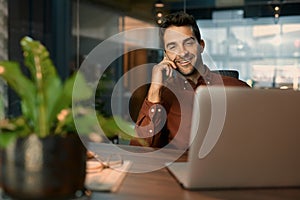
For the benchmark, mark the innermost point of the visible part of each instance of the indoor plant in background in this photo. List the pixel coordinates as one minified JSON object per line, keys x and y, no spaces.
{"x":42,"y":154}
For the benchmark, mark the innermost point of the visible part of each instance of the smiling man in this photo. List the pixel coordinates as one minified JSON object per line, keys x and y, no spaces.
{"x":165,"y":116}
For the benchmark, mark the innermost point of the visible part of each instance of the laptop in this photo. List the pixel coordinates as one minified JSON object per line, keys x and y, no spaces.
{"x":242,"y":138}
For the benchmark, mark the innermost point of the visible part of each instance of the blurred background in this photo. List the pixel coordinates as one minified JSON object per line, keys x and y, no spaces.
{"x":259,"y":38}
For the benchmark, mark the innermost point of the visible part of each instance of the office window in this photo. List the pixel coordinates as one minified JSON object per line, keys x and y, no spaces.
{"x":267,"y":54}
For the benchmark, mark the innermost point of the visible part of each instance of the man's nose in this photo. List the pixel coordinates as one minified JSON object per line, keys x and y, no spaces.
{"x":182,"y":51}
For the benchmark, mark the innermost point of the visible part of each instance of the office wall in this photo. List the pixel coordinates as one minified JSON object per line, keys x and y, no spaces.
{"x":3,"y":53}
{"x":45,"y":20}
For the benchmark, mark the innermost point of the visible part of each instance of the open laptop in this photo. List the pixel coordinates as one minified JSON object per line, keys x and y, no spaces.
{"x":242,"y":138}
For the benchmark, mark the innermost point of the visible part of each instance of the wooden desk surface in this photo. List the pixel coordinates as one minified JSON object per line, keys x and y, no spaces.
{"x":160,"y":184}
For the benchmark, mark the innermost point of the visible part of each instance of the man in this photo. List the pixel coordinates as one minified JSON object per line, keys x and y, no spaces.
{"x":167,"y":109}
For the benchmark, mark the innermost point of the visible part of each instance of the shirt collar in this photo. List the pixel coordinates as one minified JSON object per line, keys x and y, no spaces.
{"x":204,"y":79}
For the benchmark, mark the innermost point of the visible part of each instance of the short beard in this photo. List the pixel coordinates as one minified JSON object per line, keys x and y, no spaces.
{"x":187,"y":74}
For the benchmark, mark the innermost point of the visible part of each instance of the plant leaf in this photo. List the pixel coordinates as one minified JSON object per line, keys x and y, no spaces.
{"x":23,"y":86}
{"x":7,"y":137}
{"x":64,"y":96}
{"x":53,"y":94}
{"x":33,"y":49}
{"x":11,"y":129}
{"x":42,"y":70}
{"x":83,"y":92}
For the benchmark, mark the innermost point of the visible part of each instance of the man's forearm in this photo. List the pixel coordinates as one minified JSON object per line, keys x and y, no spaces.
{"x":154,"y":93}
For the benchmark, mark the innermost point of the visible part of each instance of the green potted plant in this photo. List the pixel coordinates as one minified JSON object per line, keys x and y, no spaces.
{"x":42,"y":156}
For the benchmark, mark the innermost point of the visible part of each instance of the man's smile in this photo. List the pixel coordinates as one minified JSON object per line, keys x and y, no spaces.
{"x":184,"y":61}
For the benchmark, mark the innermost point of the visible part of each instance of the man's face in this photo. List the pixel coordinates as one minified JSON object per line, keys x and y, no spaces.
{"x":182,"y":48}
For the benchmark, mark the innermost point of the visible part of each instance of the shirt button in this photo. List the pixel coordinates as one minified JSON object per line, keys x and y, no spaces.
{"x":159,"y":110}
{"x":152,"y":110}
{"x":208,"y":82}
{"x":185,"y":81}
{"x":184,"y":88}
{"x":150,"y":130}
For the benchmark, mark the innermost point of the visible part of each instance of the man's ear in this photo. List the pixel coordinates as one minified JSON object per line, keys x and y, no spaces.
{"x":202,"y":45}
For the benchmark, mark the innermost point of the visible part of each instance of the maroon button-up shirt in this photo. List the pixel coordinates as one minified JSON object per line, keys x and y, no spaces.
{"x":158,"y":123}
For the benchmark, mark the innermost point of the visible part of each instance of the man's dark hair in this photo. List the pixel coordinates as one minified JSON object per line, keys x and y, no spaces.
{"x":179,"y":19}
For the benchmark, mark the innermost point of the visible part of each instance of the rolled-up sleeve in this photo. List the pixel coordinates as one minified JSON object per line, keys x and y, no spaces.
{"x":149,"y":125}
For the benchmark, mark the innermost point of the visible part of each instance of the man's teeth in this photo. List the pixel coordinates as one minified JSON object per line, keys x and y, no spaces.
{"x":184,"y":61}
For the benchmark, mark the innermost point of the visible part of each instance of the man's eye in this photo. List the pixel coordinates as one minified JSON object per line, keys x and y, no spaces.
{"x":171,"y":47}
{"x":189,"y":43}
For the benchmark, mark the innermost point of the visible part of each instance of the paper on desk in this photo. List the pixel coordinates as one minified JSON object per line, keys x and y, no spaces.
{"x":107,"y":179}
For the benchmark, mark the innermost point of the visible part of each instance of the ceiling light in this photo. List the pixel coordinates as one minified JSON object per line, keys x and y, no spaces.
{"x":159,"y":4}
{"x":159,"y":14}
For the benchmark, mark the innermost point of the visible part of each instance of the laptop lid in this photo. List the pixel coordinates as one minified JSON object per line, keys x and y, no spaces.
{"x":243,"y":137}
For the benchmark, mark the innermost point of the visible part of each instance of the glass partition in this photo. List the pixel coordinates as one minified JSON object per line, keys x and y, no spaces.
{"x":264,"y":51}
{"x":95,"y":25}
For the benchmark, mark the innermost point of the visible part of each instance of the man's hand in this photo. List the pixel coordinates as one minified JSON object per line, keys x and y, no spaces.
{"x":165,"y":67}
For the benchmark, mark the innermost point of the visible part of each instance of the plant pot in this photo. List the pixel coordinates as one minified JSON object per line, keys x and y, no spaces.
{"x":48,"y":168}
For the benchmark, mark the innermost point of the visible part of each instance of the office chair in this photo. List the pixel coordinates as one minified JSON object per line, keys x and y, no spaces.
{"x":231,"y":73}
{"x":137,"y":98}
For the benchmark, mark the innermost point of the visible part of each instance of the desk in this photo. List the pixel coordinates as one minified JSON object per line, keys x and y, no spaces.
{"x":160,"y":184}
